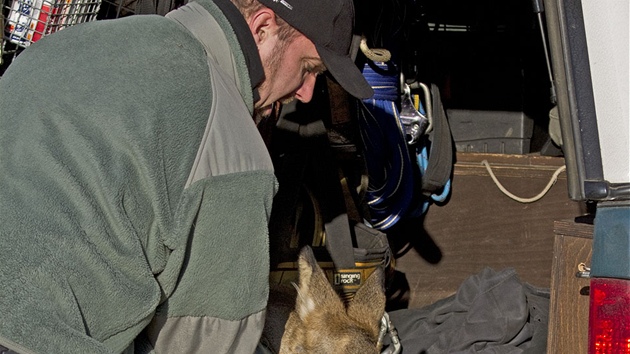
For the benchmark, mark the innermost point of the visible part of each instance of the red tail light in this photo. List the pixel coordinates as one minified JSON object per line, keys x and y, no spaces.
{"x":609,"y":316}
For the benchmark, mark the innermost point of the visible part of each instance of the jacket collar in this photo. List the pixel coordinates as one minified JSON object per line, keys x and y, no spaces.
{"x":248,"y":45}
{"x":227,"y":42}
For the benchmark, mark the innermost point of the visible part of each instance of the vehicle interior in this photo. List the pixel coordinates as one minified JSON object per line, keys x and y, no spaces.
{"x":506,"y":201}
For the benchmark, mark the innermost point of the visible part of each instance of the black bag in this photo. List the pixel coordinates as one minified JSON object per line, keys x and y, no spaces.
{"x":315,"y":206}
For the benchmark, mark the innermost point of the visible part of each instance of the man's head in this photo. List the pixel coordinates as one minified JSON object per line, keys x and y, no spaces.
{"x":299,"y":39}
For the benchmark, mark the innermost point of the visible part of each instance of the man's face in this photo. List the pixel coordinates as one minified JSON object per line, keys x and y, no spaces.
{"x":290,"y":71}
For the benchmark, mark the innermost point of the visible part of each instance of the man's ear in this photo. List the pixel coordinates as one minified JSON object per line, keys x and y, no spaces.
{"x":262,"y":24}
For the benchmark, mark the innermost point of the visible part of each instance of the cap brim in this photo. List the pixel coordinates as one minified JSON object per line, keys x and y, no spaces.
{"x":346,"y":73}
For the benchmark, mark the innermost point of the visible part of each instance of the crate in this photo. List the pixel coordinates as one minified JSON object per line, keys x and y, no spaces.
{"x":27,"y":21}
{"x":501,"y":132}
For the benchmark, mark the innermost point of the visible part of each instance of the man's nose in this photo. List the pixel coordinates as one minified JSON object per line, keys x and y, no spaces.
{"x":305,"y":92}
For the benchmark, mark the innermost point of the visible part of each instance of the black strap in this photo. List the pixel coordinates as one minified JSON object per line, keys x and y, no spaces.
{"x":316,"y":164}
{"x":334,"y":209}
{"x":440,"y":163}
{"x":339,"y":242}
{"x":329,"y":193}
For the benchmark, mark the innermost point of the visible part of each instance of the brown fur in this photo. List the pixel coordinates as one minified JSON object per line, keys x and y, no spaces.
{"x":321,"y":323}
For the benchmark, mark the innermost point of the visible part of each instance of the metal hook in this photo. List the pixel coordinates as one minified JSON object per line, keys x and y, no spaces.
{"x":415,"y":124}
{"x":388,"y":328}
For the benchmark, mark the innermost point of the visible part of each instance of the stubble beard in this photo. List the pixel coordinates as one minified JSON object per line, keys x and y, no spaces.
{"x":271,"y":65}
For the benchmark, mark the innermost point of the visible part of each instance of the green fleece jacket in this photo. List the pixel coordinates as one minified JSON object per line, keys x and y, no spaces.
{"x":135,"y":190}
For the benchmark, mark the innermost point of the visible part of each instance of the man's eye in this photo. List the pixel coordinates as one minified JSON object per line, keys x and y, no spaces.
{"x":313,"y":69}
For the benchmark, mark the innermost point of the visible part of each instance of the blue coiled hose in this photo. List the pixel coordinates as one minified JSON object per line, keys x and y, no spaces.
{"x":389,"y":166}
{"x":392,"y":165}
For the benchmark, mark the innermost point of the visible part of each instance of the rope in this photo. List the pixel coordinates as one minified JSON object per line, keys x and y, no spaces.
{"x":553,"y":180}
{"x":375,"y":54}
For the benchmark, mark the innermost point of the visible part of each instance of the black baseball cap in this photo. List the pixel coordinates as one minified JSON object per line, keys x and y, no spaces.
{"x":328,"y":24}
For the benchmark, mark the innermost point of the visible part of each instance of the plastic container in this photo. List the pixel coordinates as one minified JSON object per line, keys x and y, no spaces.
{"x":500,"y":132}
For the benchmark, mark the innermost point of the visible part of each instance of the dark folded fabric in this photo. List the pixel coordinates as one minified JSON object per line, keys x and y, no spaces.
{"x":492,"y":312}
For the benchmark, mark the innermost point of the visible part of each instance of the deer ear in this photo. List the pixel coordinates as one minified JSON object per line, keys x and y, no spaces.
{"x":314,"y":291}
{"x":307,"y":265}
{"x":368,"y":304}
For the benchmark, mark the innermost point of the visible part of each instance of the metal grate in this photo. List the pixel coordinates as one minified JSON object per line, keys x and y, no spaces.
{"x":24,"y":22}
{"x":111,"y":9}
{"x":27,"y":21}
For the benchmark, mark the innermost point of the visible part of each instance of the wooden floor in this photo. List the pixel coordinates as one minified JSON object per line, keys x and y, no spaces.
{"x":481,"y":227}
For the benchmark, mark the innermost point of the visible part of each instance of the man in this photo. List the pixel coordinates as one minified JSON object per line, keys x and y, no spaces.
{"x":135,"y":189}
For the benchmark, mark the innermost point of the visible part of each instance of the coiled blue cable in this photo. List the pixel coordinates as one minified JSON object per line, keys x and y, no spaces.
{"x":389,"y":165}
{"x":391,"y":194}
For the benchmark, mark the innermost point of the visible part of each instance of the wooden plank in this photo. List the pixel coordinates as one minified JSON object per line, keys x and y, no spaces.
{"x":542,"y":172}
{"x":578,"y":227}
{"x":518,"y":160}
{"x":568,"y":310}
{"x":481,"y":227}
